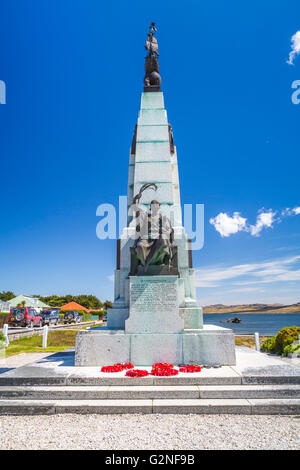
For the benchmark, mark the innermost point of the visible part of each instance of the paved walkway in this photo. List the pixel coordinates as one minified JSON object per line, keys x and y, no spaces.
{"x":20,"y":360}
{"x":57,"y":369}
{"x":294,"y":361}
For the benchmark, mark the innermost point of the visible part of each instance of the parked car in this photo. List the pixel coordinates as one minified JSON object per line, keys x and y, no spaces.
{"x":72,"y":317}
{"x":25,"y":316}
{"x":50,"y":316}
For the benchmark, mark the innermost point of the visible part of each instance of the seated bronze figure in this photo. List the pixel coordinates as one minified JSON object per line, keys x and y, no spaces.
{"x":154,"y":251}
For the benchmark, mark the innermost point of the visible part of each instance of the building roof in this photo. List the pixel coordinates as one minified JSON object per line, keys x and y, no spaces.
{"x":73,"y":306}
{"x":29,"y":301}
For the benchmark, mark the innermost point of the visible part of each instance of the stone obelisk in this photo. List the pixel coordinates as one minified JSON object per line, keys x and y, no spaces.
{"x":155,"y":315}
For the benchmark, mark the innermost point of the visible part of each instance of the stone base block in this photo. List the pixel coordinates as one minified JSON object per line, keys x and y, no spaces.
{"x":116,"y":318}
{"x":209,"y":345}
{"x":147,"y":349}
{"x":94,"y":348}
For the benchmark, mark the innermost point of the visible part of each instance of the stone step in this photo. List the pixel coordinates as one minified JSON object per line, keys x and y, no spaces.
{"x":249,"y":391}
{"x":175,"y":406}
{"x":148,"y":392}
{"x":31,"y":378}
{"x":32,"y":375}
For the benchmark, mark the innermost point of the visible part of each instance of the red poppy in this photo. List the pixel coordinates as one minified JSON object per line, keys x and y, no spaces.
{"x":125,"y":366}
{"x":190,"y":369}
{"x":117,"y":367}
{"x":163,"y":372}
{"x":136,"y":373}
{"x":162,"y":365}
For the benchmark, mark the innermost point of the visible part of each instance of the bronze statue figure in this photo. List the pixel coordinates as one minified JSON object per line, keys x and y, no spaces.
{"x":154,"y":251}
{"x":152,"y":79}
{"x":171,"y":139}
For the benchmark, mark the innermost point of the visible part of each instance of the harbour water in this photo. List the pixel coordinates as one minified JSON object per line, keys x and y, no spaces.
{"x":265,"y":324}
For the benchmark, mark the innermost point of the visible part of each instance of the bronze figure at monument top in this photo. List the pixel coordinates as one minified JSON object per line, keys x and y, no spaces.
{"x":152,"y":79}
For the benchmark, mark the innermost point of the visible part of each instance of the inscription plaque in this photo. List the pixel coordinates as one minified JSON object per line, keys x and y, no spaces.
{"x":154,"y":305}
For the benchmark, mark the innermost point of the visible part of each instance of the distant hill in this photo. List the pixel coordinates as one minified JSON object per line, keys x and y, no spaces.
{"x":252,"y":308}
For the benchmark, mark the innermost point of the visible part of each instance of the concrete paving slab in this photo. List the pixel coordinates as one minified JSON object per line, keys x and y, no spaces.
{"x":259,"y":368}
{"x":20,"y":360}
{"x":104,"y":406}
{"x":249,"y":391}
{"x":35,"y":375}
{"x":202,"y":406}
{"x":293,"y":361}
{"x":60,"y":359}
{"x":272,"y":374}
{"x":275,"y":406}
{"x":26,"y":407}
{"x":53,"y":392}
{"x":93,"y":376}
{"x":153,"y":391}
{"x":223,"y":375}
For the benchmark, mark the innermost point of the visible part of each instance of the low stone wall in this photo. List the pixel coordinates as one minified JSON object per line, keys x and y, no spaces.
{"x":27,"y":333}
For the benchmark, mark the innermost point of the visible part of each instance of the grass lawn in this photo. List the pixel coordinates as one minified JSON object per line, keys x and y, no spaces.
{"x":57,"y":341}
{"x":60,"y":340}
{"x":248,"y":341}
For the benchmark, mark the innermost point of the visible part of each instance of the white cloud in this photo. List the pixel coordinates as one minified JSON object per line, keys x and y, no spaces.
{"x":210,"y":277}
{"x":111,"y":277}
{"x":288,"y":211}
{"x":264,"y":219}
{"x":247,"y":289}
{"x":226,"y":225}
{"x":257,"y":273}
{"x":295,"y":48}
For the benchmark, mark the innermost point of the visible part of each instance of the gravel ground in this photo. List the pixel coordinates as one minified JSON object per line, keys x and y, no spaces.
{"x":157,"y":432}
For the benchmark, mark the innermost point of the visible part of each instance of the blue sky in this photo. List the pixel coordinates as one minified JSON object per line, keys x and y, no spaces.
{"x":74,"y":74}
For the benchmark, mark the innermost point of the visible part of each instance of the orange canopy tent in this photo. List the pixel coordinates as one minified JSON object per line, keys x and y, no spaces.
{"x":73,"y":306}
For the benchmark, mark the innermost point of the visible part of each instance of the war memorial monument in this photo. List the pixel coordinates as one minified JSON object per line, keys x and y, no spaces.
{"x":155,"y":316}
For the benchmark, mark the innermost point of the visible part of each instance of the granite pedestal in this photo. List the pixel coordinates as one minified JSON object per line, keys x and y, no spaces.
{"x":210,"y":345}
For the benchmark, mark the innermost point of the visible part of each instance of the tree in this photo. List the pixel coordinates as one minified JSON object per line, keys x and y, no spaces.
{"x":87,"y":301}
{"x":5,"y":296}
{"x":107,"y":304}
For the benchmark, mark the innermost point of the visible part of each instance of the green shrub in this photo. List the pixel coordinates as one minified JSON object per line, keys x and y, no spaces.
{"x":284,"y":338}
{"x":86,"y":317}
{"x":268,"y":345}
{"x":2,"y":337}
{"x":81,"y":312}
{"x":98,"y":314}
{"x":291,"y":349}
